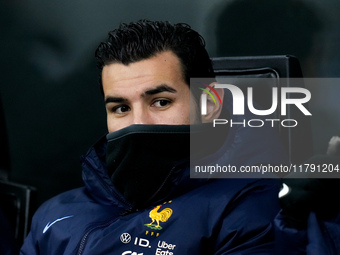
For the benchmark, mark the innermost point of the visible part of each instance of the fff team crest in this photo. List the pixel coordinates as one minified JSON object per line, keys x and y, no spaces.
{"x":158,"y":216}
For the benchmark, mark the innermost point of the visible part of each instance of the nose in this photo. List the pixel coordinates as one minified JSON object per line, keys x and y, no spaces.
{"x":142,"y":117}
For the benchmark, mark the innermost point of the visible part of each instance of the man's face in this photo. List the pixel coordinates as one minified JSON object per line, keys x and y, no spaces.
{"x":151,"y":91}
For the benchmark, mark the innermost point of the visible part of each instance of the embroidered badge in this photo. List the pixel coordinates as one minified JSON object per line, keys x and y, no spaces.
{"x":161,"y":216}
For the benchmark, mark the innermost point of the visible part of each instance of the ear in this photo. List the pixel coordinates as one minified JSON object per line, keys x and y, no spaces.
{"x":214,"y":109}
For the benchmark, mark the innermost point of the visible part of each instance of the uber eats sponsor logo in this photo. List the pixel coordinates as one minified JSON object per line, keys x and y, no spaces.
{"x":161,"y":247}
{"x":303,"y":96}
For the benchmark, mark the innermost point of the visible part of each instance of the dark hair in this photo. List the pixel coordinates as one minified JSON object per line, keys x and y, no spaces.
{"x":144,"y":39}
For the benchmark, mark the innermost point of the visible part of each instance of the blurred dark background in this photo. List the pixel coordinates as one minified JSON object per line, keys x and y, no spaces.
{"x":52,"y":103}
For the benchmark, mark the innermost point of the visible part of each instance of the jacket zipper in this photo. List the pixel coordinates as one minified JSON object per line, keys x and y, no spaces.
{"x":122,"y":200}
{"x":85,"y":236}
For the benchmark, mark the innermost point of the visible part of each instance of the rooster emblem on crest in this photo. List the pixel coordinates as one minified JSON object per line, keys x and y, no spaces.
{"x":162,"y":216}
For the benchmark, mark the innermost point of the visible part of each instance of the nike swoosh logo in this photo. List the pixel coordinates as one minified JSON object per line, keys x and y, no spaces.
{"x":53,"y":222}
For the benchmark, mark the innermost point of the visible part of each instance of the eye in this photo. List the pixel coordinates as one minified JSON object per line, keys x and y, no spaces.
{"x":120,"y":109}
{"x":161,"y":103}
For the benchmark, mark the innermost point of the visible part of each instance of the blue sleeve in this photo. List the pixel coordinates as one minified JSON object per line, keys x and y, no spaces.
{"x":30,"y":246}
{"x":289,"y":240}
{"x":248,"y":227}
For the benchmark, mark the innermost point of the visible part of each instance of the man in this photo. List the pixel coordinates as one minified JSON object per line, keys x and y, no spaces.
{"x":138,"y":196}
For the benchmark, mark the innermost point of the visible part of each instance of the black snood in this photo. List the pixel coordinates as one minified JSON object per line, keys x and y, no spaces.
{"x":140,"y":158}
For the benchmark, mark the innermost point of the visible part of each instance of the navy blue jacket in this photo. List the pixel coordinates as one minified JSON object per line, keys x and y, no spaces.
{"x":221,"y":216}
{"x":198,"y":216}
{"x":224,"y":216}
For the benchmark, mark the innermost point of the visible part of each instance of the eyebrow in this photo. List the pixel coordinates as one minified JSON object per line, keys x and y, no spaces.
{"x":115,"y":100}
{"x":158,"y":89}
